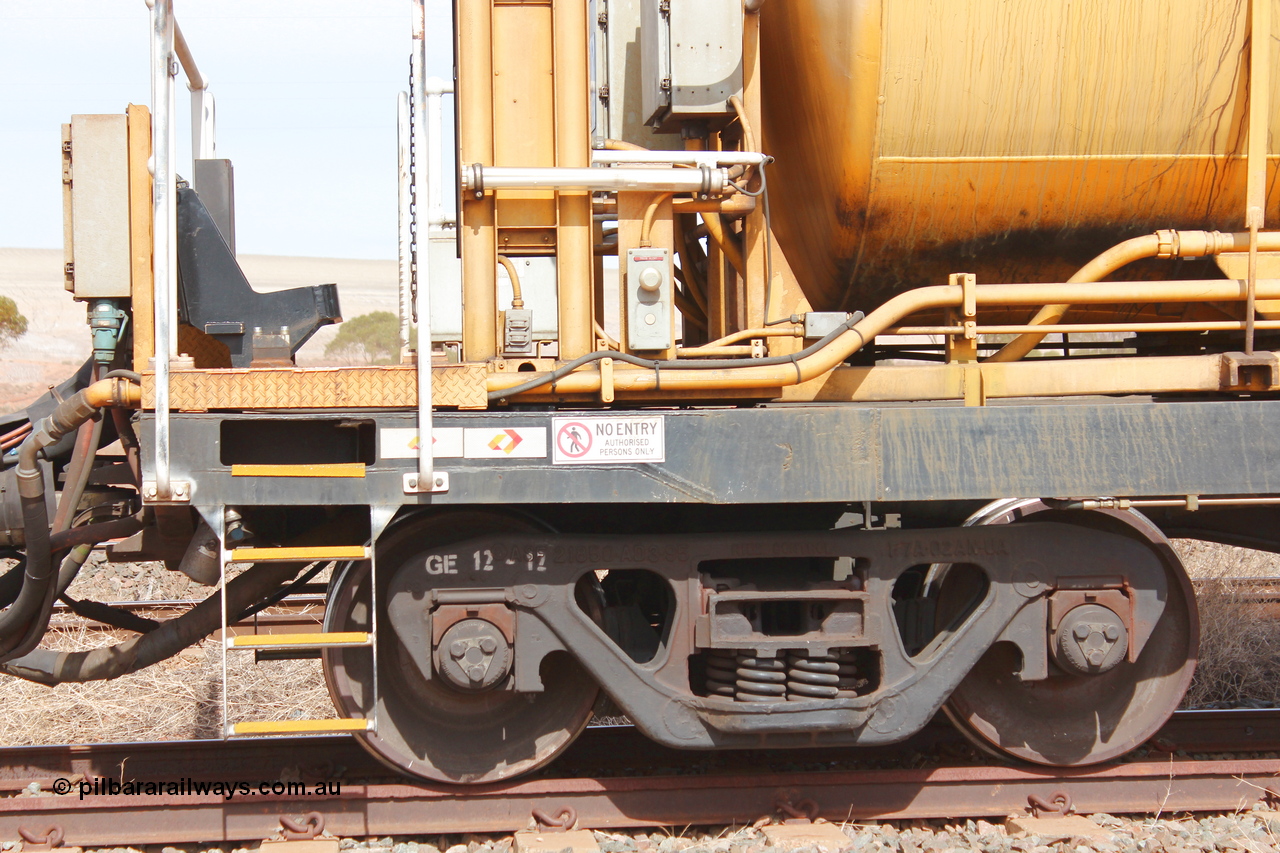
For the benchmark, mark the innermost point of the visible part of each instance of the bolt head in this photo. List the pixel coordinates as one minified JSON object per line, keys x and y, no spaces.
{"x":475,"y":673}
{"x":1081,"y":632}
{"x":487,"y":645}
{"x":1112,"y":633}
{"x":458,"y":649}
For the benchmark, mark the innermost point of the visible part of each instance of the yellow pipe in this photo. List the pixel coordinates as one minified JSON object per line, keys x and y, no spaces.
{"x":889,"y":315}
{"x":704,"y":351}
{"x":517,"y":297}
{"x":716,"y":231}
{"x":1164,"y":244}
{"x":795,"y":331}
{"x":620,"y":145}
{"x":693,"y":285}
{"x":748,"y":138}
{"x":646,"y":224}
{"x":116,"y":391}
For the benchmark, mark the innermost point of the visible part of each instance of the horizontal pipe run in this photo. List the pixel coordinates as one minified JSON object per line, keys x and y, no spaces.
{"x":718,"y":351}
{"x":888,"y":316}
{"x":1162,"y":244}
{"x":1090,"y":328}
{"x":477,"y":178}
{"x":1182,"y":502}
{"x":778,"y":331}
{"x":682,"y":158}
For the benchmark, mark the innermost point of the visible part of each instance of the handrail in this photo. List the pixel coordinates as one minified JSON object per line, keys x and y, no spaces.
{"x":169,"y":51}
{"x":202,"y":112}
{"x":165,"y":231}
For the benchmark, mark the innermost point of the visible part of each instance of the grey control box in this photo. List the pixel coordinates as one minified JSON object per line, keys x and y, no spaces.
{"x":691,"y":61}
{"x":649,"y":299}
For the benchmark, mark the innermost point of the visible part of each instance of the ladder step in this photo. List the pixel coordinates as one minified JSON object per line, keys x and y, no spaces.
{"x":297,"y":727}
{"x":300,"y":641}
{"x":314,"y":552}
{"x":332,"y":469}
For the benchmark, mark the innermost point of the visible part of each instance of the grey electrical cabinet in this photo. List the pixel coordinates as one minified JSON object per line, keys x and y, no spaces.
{"x":95,"y":178}
{"x":691,"y":60}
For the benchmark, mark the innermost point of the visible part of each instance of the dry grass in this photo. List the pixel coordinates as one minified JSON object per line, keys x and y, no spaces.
{"x":179,"y":698}
{"x":1239,"y":641}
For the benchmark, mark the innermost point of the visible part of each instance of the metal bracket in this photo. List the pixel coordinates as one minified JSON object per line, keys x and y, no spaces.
{"x":439,"y":483}
{"x":179,"y":492}
{"x":1238,"y":368}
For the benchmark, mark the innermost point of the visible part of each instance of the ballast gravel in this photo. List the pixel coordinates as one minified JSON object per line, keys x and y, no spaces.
{"x":1246,"y":832}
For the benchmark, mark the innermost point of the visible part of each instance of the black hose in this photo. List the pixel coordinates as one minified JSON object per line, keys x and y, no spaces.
{"x":131,"y":375}
{"x":33,"y":602}
{"x":24,"y":622}
{"x":116,"y":617}
{"x":676,"y":364}
{"x":49,"y":667}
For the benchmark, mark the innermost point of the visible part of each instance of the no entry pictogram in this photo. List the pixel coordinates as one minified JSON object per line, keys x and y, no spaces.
{"x":573,"y":439}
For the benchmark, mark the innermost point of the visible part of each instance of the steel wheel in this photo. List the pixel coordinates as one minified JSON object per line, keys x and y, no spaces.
{"x":1075,"y":719}
{"x":426,"y":727}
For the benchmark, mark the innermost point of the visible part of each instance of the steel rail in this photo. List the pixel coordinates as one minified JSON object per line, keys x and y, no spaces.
{"x":368,"y":806}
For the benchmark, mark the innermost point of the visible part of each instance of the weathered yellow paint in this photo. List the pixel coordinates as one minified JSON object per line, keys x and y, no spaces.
{"x":307,"y":552}
{"x":334,"y":469}
{"x":916,"y":138}
{"x":140,"y":237}
{"x":293,"y":727}
{"x":313,"y":640}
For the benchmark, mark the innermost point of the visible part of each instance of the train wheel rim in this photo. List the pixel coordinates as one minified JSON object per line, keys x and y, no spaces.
{"x":1073,"y":720}
{"x":424,"y":727}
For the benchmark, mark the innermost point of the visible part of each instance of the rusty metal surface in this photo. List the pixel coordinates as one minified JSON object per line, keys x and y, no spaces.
{"x":1037,"y":176}
{"x":392,"y":386}
{"x":657,"y":800}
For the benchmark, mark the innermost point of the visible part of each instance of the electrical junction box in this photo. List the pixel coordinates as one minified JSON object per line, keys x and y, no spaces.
{"x":691,"y":61}
{"x":649,"y":299}
{"x":95,"y":206}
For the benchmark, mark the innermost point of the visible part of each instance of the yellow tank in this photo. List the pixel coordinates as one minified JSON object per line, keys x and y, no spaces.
{"x":1013,"y":139}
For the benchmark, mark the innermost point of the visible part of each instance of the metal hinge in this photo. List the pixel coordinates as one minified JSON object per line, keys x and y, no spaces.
{"x":664,"y":8}
{"x":665,"y":85}
{"x":602,"y":19}
{"x":604,"y":94}
{"x":69,"y":270}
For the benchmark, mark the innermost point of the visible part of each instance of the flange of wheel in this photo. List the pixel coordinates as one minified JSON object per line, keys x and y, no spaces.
{"x":449,"y":728}
{"x":1103,"y":706}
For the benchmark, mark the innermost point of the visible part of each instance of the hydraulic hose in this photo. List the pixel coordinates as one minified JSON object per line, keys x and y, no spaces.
{"x":28,"y":616}
{"x":49,"y":667}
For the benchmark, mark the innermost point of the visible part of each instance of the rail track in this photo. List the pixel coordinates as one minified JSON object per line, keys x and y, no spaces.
{"x":1201,"y":761}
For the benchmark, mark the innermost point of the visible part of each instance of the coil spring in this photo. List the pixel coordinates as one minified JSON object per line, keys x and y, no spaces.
{"x":761,"y":679}
{"x":722,"y":665}
{"x":830,"y":676}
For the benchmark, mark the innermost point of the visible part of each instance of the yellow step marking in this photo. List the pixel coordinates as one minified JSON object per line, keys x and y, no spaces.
{"x":332,"y":469}
{"x":294,"y":641}
{"x":289,"y":727}
{"x":310,"y":552}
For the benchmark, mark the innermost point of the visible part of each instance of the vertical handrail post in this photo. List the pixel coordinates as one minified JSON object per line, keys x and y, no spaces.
{"x":164,"y":193}
{"x":404,"y":223}
{"x":426,"y":479}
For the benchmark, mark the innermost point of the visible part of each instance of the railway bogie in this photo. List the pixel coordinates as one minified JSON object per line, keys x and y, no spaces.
{"x":665,"y":479}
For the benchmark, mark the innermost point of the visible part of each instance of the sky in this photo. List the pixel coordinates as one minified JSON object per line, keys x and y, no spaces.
{"x":306,"y":109}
